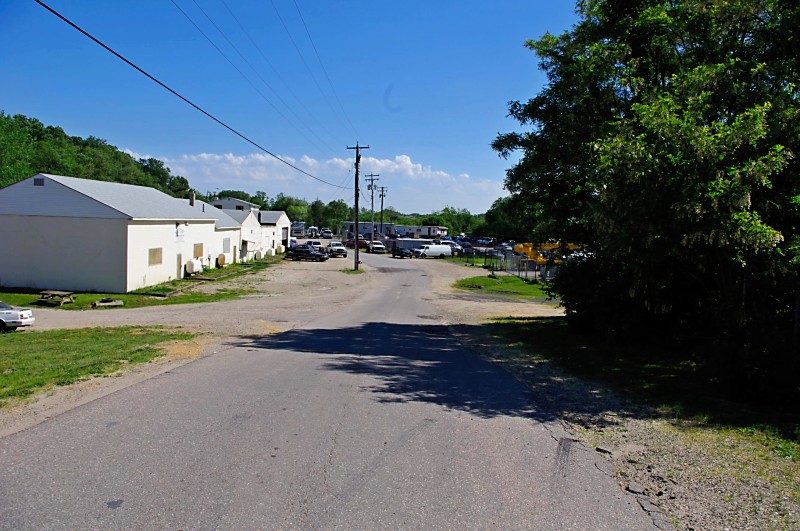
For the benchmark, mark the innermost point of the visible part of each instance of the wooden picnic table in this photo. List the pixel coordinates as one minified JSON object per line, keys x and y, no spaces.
{"x":51,"y":296}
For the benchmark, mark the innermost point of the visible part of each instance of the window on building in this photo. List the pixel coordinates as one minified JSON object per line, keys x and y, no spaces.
{"x":226,"y":245}
{"x":198,"y":250}
{"x":38,"y":181}
{"x":155,"y":256}
{"x":239,"y":207}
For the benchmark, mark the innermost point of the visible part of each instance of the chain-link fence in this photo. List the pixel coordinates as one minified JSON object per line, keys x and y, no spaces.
{"x":516,"y":264}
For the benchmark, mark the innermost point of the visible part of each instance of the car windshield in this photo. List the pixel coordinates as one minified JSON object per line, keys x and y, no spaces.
{"x":4,"y":306}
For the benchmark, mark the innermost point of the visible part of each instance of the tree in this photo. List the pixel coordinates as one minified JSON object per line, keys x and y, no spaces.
{"x":665,"y":142}
{"x":316,"y":213}
{"x":336,"y":213}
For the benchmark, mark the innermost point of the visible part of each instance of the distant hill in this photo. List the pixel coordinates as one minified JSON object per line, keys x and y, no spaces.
{"x":28,"y":147}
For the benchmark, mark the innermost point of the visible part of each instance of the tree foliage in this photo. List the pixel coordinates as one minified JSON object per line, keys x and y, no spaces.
{"x":665,"y":141}
{"x":28,"y":147}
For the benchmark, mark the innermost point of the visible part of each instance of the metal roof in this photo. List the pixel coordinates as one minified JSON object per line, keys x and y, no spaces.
{"x":270,"y":217}
{"x":136,"y":202}
{"x":206,"y":211}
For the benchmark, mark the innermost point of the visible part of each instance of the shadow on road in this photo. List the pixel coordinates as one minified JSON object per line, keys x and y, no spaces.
{"x":426,"y":363}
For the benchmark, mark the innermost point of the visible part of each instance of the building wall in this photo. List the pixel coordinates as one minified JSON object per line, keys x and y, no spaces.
{"x":175,"y":243}
{"x":66,"y":253}
{"x":366,"y":228}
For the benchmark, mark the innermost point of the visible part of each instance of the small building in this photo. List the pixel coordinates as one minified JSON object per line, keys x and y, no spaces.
{"x":251,"y":234}
{"x":368,"y":229}
{"x":275,"y":228}
{"x":97,"y":236}
{"x":420,"y":231}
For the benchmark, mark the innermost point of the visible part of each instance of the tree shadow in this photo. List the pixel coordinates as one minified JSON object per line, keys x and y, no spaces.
{"x":432,"y":364}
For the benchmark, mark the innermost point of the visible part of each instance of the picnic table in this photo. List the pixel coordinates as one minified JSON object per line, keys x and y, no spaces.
{"x":51,"y":296}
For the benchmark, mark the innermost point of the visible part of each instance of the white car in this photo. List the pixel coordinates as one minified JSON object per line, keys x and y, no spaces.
{"x":12,"y":318}
{"x":376,"y":247}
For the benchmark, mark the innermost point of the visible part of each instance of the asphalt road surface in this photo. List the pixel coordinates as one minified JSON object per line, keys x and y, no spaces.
{"x":369,"y":416}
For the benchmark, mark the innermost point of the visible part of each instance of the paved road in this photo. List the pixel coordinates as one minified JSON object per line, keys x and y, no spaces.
{"x":368,"y":417}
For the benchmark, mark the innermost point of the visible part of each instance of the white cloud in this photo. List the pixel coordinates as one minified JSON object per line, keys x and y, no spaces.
{"x":411,"y":186}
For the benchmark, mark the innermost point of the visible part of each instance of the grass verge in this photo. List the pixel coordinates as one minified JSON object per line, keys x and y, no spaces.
{"x":31,"y":361}
{"x":173,"y":292}
{"x":745,"y":457}
{"x":506,"y":285}
{"x":674,"y":384}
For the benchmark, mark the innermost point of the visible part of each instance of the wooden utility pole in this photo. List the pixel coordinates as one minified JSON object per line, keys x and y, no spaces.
{"x":383,"y":194}
{"x":358,"y":161}
{"x":371,"y":187}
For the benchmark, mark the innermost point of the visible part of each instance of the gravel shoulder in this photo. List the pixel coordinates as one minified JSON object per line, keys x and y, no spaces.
{"x":678,"y":478}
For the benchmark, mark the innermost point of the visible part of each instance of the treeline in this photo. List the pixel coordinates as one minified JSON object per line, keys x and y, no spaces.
{"x":666,"y":142}
{"x":28,"y":147}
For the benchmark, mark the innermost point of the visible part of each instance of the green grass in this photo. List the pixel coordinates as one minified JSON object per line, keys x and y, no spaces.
{"x":507,"y":285}
{"x":173,"y":292}
{"x":36,"y":361}
{"x":348,"y":271}
{"x":84,"y":301}
{"x":674,"y":383}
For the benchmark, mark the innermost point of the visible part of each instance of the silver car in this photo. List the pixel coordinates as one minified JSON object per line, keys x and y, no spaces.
{"x":12,"y":318}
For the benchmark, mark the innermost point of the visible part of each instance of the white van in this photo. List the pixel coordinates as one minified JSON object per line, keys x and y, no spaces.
{"x":433,"y":250}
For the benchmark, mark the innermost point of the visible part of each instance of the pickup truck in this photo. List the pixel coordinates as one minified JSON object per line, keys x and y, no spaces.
{"x":305,"y":252}
{"x":336,"y":249}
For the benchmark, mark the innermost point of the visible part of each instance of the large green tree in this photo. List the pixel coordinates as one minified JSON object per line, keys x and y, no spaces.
{"x":665,"y":141}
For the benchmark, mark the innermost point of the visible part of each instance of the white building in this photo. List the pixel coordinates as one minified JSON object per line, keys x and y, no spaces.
{"x":227,"y":231}
{"x":420,"y":231}
{"x":252,"y":241}
{"x":275,"y":228}
{"x":367,"y":229}
{"x":97,"y":236}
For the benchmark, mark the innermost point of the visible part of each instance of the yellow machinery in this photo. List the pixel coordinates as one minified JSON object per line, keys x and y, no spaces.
{"x":544,"y":252}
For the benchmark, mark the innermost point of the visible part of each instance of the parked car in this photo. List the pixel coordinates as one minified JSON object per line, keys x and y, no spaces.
{"x":12,"y":318}
{"x":306,"y":252}
{"x":402,"y":252}
{"x":362,"y":243}
{"x":376,"y":247}
{"x":336,"y":249}
{"x":317,"y":245}
{"x":326,"y":234}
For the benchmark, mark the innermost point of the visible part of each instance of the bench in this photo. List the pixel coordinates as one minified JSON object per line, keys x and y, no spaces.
{"x":50,"y":296}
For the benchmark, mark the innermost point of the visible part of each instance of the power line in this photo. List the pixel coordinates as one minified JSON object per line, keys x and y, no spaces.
{"x":175,"y":93}
{"x":278,"y":75}
{"x":305,"y":63}
{"x":321,"y":64}
{"x":264,"y":81}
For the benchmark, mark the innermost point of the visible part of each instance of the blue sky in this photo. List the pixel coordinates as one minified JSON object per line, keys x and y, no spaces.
{"x":424,"y":84}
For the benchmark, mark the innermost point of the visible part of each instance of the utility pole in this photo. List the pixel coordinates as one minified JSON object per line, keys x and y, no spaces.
{"x":371,"y":187}
{"x":383,"y":194}
{"x":358,"y":161}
